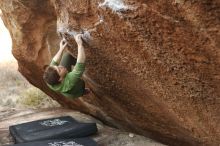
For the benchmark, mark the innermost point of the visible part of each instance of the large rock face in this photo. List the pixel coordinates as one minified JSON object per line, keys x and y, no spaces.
{"x":154,"y":66}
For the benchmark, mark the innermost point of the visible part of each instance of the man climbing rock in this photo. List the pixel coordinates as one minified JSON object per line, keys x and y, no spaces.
{"x":60,"y":77}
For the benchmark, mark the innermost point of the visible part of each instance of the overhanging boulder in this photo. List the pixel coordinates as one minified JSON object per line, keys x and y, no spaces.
{"x":153,"y":65}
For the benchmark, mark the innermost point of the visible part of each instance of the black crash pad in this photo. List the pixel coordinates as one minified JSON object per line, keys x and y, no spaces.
{"x":61,"y":142}
{"x":53,"y":128}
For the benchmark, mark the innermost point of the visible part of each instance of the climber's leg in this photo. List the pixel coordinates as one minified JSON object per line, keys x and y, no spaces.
{"x":67,"y":61}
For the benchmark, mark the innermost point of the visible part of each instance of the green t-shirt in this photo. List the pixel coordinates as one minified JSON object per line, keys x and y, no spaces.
{"x":72,"y":86}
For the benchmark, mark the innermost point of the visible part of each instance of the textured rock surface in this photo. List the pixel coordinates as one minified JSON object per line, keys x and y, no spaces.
{"x":154,"y":66}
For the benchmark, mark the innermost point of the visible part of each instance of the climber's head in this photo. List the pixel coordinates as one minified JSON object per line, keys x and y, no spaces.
{"x":54,"y":74}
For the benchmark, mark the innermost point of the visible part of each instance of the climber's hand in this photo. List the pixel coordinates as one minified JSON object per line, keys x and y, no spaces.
{"x":63,"y":44}
{"x":78,"y":39}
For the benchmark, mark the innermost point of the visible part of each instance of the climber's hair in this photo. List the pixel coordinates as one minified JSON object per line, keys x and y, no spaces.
{"x":51,"y":75}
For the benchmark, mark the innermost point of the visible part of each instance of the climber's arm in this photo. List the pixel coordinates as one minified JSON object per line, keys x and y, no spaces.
{"x":81,"y":57}
{"x":75,"y":75}
{"x":56,"y":59}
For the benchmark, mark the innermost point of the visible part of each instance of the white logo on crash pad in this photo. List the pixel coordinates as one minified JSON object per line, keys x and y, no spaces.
{"x":63,"y":143}
{"x":51,"y":123}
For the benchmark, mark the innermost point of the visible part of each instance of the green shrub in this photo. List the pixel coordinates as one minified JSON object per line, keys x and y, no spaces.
{"x":35,"y":98}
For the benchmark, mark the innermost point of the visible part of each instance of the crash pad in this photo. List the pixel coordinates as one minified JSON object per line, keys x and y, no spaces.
{"x":61,"y":142}
{"x":53,"y":128}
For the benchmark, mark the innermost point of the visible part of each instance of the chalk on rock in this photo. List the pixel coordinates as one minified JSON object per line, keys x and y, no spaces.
{"x":86,"y":36}
{"x":115,"y":5}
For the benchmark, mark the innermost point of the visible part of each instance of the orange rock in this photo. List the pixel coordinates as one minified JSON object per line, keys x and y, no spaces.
{"x":132,"y":90}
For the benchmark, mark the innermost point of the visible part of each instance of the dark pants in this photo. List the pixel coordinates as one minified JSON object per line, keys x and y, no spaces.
{"x":67,"y":61}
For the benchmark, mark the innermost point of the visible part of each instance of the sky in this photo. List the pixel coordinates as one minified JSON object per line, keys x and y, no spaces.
{"x":5,"y":44}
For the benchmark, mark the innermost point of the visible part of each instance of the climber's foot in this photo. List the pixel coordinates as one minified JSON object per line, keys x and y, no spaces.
{"x":87,"y":91}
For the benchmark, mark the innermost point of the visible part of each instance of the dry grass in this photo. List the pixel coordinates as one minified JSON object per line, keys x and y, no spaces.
{"x":33,"y":97}
{"x":16,"y":92}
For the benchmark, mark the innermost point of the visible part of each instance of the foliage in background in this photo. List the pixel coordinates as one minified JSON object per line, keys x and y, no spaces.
{"x":17,"y":92}
{"x":35,"y":98}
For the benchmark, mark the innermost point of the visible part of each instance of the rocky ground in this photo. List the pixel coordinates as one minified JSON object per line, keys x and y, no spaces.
{"x":106,"y":136}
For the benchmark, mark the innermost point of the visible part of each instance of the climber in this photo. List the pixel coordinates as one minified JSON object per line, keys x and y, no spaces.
{"x":61,"y":78}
